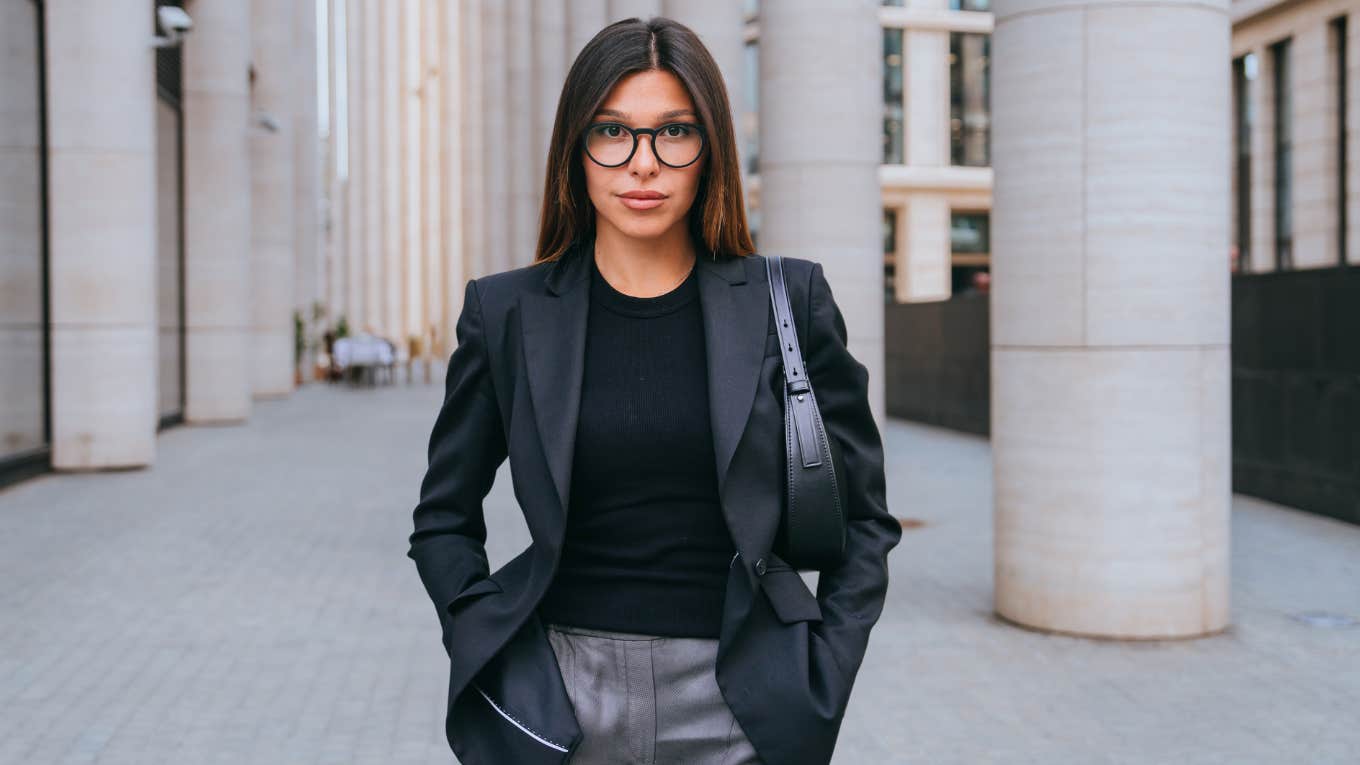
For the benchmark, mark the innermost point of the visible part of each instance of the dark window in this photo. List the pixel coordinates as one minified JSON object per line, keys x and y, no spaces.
{"x":970,"y":245}
{"x":1284,"y":231}
{"x":889,"y":254}
{"x":1339,"y":45}
{"x":893,"y":112}
{"x":1244,"y":71}
{"x":969,"y":99}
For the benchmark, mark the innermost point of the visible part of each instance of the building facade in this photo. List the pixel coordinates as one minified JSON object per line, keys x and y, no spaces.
{"x":137,"y":289}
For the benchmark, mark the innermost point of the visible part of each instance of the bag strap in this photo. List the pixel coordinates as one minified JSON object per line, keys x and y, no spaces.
{"x":796,"y":381}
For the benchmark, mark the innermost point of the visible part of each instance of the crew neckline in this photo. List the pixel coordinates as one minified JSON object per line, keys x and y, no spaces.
{"x":604,"y":293}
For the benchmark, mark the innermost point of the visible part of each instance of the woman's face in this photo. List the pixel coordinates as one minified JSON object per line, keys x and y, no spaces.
{"x":647,"y":99}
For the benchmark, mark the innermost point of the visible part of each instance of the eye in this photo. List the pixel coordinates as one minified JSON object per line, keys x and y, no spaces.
{"x":678,"y":130}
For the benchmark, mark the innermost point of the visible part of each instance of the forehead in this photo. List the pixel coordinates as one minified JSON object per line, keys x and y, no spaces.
{"x":646,"y":97}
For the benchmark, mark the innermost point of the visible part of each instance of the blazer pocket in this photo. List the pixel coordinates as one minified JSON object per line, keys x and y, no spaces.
{"x":789,"y":596}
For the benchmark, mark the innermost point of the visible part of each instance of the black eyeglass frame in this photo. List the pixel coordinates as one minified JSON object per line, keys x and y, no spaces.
{"x":635,"y":132}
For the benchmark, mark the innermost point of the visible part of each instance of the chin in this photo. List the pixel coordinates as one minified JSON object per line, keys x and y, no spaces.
{"x":643,"y":229}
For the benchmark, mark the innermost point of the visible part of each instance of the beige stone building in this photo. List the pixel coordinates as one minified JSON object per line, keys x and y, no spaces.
{"x":163,"y":236}
{"x":159,"y":220}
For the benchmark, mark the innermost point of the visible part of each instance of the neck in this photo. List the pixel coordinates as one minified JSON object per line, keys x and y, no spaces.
{"x":644,"y":267}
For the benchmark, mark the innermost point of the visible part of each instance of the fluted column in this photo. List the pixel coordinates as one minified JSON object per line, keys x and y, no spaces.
{"x":820,"y":198}
{"x":375,"y":297}
{"x":549,"y":73}
{"x":391,"y":271}
{"x":272,"y":215}
{"x":217,"y":225}
{"x":101,"y":234}
{"x":1109,"y":319}
{"x":355,"y":236}
{"x":451,"y":169}
{"x":495,"y":130}
{"x":336,"y":218}
{"x":308,"y":288}
{"x":521,"y":154}
{"x":585,"y":18}
{"x":431,"y":150}
{"x":412,"y":247}
{"x":473,"y":180}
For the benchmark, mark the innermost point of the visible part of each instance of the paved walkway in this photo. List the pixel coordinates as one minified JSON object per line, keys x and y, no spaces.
{"x":248,"y":600}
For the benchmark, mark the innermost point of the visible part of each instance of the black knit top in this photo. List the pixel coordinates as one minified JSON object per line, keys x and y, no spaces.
{"x":647,"y":548}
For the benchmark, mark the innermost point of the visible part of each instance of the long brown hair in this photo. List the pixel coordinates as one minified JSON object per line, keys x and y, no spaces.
{"x":717,"y":219}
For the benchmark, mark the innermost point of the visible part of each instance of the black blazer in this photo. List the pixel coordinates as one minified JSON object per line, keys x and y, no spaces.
{"x":786,"y":659}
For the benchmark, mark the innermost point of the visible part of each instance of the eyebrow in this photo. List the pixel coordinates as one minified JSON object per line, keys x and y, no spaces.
{"x":665,"y":116}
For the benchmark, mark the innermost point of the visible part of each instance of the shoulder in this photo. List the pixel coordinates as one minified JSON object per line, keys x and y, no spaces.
{"x":499,"y":291}
{"x":803,"y":278}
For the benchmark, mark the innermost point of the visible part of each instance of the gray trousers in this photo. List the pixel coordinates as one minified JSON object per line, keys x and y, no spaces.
{"x":647,"y":699}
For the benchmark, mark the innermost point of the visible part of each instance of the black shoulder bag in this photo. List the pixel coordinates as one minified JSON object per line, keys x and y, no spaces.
{"x":812,"y":535}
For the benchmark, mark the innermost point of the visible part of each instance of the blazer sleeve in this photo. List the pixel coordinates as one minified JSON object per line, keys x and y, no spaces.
{"x":466,"y":447}
{"x":851,"y":595}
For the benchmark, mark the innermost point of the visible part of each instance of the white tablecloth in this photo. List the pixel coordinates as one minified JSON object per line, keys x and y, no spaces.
{"x":362,"y":350}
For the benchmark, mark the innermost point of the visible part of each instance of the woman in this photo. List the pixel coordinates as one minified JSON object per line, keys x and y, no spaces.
{"x":633,"y":377}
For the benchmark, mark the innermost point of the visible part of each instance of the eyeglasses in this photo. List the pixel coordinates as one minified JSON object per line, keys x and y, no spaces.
{"x":611,"y":144}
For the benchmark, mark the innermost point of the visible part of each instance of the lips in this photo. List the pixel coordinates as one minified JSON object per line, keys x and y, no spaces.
{"x":642,"y":200}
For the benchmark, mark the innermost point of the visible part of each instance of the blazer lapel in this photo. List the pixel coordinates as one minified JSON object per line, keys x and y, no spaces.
{"x":735,"y":318}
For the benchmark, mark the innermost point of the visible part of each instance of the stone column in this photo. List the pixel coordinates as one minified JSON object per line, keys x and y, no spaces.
{"x":355,"y":235}
{"x":375,"y":298}
{"x":495,"y":128}
{"x":923,"y":263}
{"x":431,"y":150}
{"x":452,"y":222}
{"x":521,"y":97}
{"x":721,"y":25}
{"x":101,"y":234}
{"x":307,"y":183}
{"x":392,"y":67}
{"x":1110,"y":321}
{"x":272,"y":170}
{"x":643,"y":9}
{"x":585,"y":18}
{"x":1316,"y":158}
{"x":408,"y":111}
{"x":549,"y":73}
{"x":217,"y":225}
{"x":820,"y":198}
{"x":336,"y":218}
{"x":473,"y":181}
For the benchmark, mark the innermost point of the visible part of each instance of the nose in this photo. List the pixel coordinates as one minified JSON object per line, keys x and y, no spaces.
{"x":644,"y":160}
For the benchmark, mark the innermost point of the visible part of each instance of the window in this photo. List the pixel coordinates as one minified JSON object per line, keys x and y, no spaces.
{"x":1339,"y":45}
{"x":889,"y":254}
{"x":970,"y":244}
{"x":1284,"y":234}
{"x":1244,"y":72}
{"x":893,"y":108}
{"x":969,"y":98}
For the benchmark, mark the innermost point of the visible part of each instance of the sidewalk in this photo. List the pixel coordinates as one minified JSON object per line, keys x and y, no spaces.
{"x":248,"y":600}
